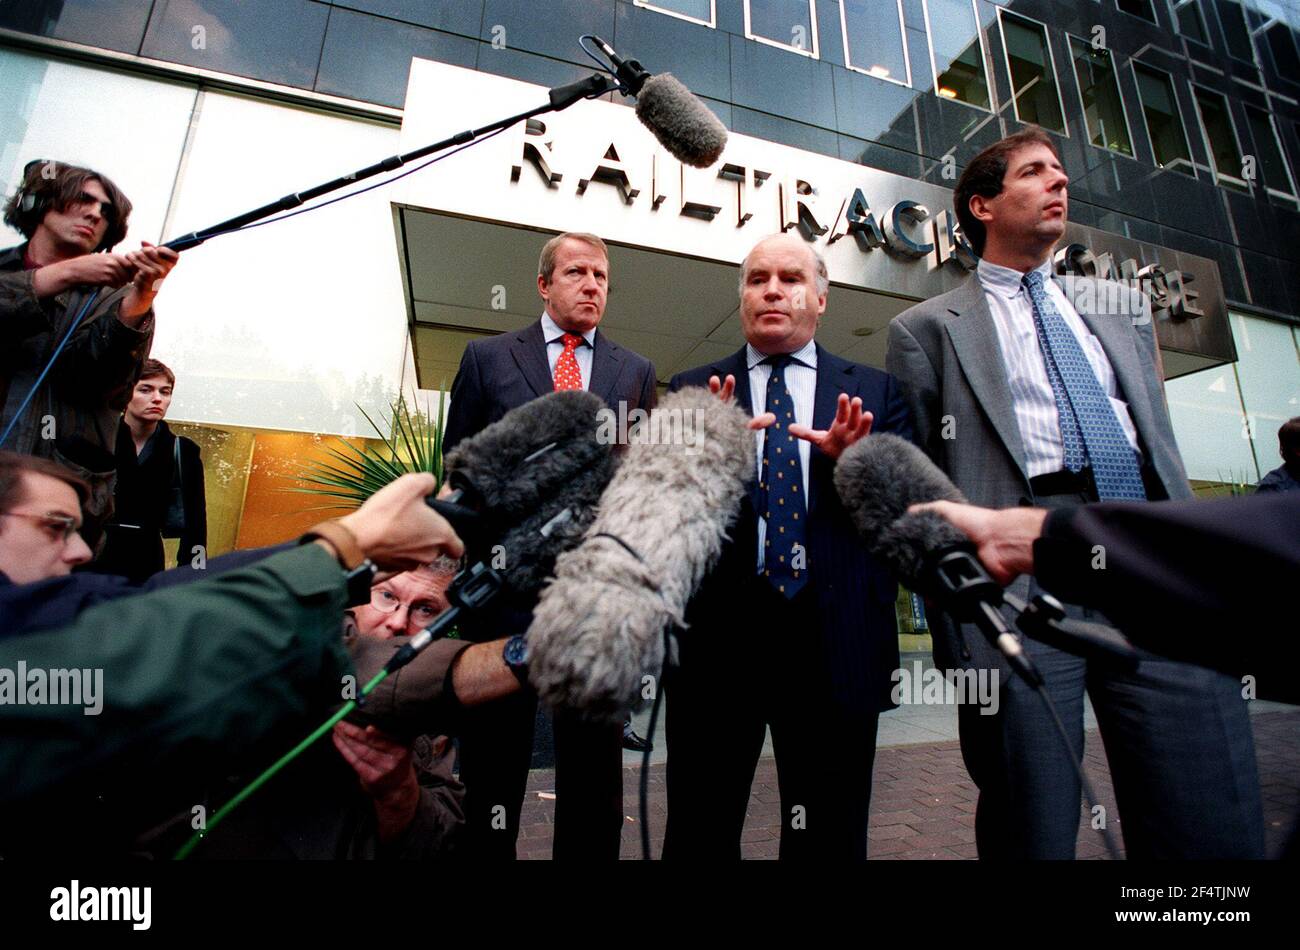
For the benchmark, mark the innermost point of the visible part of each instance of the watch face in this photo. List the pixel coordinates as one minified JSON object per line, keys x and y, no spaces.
{"x":516,"y":651}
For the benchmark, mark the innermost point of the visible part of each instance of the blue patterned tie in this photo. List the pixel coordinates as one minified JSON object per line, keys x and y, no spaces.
{"x":780,"y":486}
{"x":1089,"y":429}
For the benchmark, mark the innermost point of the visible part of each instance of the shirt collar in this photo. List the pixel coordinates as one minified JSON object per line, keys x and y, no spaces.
{"x":551,"y":331}
{"x":1006,"y":281}
{"x":805,"y":355}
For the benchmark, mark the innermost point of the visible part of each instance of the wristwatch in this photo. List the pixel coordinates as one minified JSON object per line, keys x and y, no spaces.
{"x":515,"y":656}
{"x":358,"y":570}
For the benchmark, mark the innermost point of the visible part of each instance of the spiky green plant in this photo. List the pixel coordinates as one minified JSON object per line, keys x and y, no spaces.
{"x":413,"y":444}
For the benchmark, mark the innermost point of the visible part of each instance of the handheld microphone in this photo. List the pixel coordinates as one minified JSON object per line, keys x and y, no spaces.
{"x":878,"y":479}
{"x":599,"y":626}
{"x":527,"y":486}
{"x":675,"y":116}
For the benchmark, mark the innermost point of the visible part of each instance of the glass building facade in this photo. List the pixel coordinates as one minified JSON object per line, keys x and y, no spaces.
{"x":1178,"y":122}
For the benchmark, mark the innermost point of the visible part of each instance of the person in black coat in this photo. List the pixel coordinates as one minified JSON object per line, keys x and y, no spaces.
{"x":563,"y":349}
{"x":802,"y":638}
{"x":159,"y":489}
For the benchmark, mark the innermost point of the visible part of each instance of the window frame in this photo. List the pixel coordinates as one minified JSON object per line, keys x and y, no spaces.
{"x":1250,"y":36}
{"x":1119,"y":91}
{"x":902,"y":34}
{"x":1182,"y":120}
{"x":1051,"y":57}
{"x":812,"y":19}
{"x":1155,"y":18}
{"x":1292,"y":199}
{"x":1174,"y":6}
{"x":711,"y":23}
{"x":984,"y":61}
{"x":1249,"y":187}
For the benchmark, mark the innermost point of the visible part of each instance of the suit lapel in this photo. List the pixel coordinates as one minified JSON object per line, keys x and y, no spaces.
{"x":1117,"y":342}
{"x":834,"y":376}
{"x":529,"y":351}
{"x":975,"y":341}
{"x":606,"y":364}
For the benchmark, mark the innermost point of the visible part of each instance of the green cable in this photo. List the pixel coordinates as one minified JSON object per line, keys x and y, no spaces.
{"x":184,"y":851}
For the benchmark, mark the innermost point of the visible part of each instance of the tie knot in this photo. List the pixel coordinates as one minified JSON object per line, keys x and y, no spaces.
{"x":1033,"y":280}
{"x":779,"y":361}
{"x":572,"y":341}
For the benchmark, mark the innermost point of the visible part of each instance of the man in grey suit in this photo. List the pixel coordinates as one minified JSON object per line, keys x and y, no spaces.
{"x":561,"y":350}
{"x":1027,"y":389}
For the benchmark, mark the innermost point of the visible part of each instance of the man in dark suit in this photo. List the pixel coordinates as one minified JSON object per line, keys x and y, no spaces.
{"x":1027,"y":389}
{"x":562,"y":350}
{"x":795,"y":627}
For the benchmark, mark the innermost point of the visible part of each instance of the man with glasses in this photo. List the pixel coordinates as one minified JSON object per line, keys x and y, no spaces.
{"x":71,"y":218}
{"x":40,"y":514}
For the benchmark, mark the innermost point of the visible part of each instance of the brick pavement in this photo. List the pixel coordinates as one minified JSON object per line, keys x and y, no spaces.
{"x":923,"y":802}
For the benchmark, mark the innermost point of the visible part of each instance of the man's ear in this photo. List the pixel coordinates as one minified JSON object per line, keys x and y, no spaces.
{"x":979,"y":208}
{"x":542,"y":287}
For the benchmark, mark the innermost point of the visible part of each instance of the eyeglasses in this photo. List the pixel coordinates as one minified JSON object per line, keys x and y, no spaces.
{"x":61,"y":527}
{"x":386,"y":602}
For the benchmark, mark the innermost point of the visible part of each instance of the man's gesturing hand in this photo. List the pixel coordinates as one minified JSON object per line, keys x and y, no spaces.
{"x":1004,"y":540}
{"x":725,"y":390}
{"x":850,"y":424}
{"x":396,"y":529}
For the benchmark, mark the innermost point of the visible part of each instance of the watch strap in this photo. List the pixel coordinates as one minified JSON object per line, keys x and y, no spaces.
{"x":342,"y":540}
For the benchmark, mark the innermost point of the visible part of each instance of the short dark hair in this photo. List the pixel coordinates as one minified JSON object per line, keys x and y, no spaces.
{"x":153,"y":367}
{"x":984,"y":176}
{"x":51,"y":185}
{"x":1288,"y":441}
{"x":13,"y":466}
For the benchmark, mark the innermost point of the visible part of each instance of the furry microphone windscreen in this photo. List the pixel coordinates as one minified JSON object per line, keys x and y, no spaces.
{"x":878,"y":478}
{"x":599,"y":626}
{"x":524,"y":492}
{"x":680,"y":121}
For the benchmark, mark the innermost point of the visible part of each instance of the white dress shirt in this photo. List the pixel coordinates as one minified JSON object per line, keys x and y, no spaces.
{"x":554,"y":337}
{"x":801,"y":381}
{"x":1022,"y":357}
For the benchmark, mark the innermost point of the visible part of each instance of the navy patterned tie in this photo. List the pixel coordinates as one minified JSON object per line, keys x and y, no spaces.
{"x":1090,"y":431}
{"x":780,"y":483}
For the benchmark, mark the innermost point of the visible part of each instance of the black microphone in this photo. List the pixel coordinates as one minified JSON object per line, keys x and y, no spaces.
{"x":599,"y":626}
{"x":526,"y":486}
{"x":675,"y":116}
{"x":878,"y":478}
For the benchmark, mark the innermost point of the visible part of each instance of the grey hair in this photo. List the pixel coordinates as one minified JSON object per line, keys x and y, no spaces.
{"x":823,"y":276}
{"x":546,"y":263}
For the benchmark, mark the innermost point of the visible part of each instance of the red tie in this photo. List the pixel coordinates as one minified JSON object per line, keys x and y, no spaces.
{"x":567,"y":373}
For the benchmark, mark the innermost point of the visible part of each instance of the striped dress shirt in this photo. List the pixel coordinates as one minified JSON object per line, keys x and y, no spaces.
{"x":1022,"y":357}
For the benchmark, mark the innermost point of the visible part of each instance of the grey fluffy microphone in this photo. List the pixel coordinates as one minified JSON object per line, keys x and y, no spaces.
{"x":599,"y":626}
{"x":878,"y":478}
{"x":534,"y":478}
{"x":680,"y":121}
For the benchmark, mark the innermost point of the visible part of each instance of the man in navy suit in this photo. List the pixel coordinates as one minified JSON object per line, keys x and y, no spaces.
{"x":562,"y":350}
{"x":795,"y":627}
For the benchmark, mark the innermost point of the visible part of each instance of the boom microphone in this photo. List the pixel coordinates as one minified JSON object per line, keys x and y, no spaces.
{"x":599,"y":627}
{"x":675,"y":116}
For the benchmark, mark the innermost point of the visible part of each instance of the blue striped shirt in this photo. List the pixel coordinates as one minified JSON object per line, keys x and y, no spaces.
{"x":1022,"y":357}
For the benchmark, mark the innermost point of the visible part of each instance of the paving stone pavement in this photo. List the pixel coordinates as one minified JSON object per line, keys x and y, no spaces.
{"x":923,"y":802}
